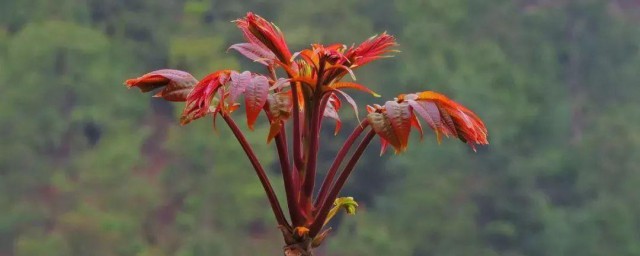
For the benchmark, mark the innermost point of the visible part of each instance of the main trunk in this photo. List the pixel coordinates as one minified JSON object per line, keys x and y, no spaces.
{"x":298,"y":249}
{"x":296,"y":245}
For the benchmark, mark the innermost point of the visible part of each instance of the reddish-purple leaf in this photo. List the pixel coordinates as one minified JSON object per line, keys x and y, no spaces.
{"x":399,"y":115}
{"x":371,"y":49}
{"x":352,"y":85}
{"x":280,"y":107}
{"x":383,"y":146}
{"x":451,"y":118}
{"x":198,"y":103}
{"x":416,"y":124}
{"x":430,"y":112}
{"x":255,"y":52}
{"x":255,"y":97}
{"x":338,"y":70}
{"x":383,"y":127}
{"x":331,"y":111}
{"x":350,"y":101}
{"x":239,"y":83}
{"x":448,"y":121}
{"x":177,"y":84}
{"x":280,"y":83}
{"x":257,"y":30}
{"x":274,"y":130}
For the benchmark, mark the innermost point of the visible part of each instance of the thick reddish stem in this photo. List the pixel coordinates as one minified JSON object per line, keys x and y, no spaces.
{"x":326,"y":205}
{"x":297,"y":138}
{"x":285,"y":165}
{"x":316,"y":122}
{"x":346,"y":146}
{"x":288,"y":178}
{"x":264,"y":180}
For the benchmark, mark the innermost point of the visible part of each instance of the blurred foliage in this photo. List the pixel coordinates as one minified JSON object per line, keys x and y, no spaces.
{"x":89,"y":168}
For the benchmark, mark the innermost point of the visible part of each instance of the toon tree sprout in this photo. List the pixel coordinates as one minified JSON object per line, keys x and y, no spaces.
{"x":311,"y":90}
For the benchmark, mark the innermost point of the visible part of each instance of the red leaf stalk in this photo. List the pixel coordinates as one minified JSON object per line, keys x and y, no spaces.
{"x":326,"y":205}
{"x":264,"y":180}
{"x":346,"y":146}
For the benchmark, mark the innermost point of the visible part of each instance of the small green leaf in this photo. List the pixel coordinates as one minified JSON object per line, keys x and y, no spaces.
{"x":347,"y":203}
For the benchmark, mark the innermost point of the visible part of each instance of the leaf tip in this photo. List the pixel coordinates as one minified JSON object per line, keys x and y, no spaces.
{"x":130,"y":82}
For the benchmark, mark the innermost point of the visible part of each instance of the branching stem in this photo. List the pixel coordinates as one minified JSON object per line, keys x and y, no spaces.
{"x":346,"y":146}
{"x":335,"y":189}
{"x":314,"y":143}
{"x":285,"y":165}
{"x":287,"y":176}
{"x":297,"y":138}
{"x":264,"y":180}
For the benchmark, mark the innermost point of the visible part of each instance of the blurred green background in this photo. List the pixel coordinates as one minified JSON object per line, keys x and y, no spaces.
{"x":90,"y":168}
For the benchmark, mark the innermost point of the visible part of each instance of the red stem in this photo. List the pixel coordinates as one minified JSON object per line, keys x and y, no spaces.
{"x":316,"y":122}
{"x":287,"y":176}
{"x":346,"y":146}
{"x":285,"y":165}
{"x":297,"y":152}
{"x":326,"y":205}
{"x":264,"y":180}
{"x":311,"y":155}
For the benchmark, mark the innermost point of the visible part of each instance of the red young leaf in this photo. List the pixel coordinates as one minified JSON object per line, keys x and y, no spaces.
{"x":393,"y":122}
{"x":332,"y":53}
{"x":447,"y":116}
{"x":309,"y":56}
{"x":384,"y":144}
{"x":254,"y":52}
{"x":416,"y":124}
{"x":199,"y":100}
{"x":383,"y":127}
{"x":177,"y":84}
{"x":239,"y":83}
{"x":429,"y":112}
{"x":331,"y":111}
{"x":350,"y":101}
{"x":280,"y":83}
{"x":257,"y":30}
{"x":255,"y":96}
{"x":448,"y":121}
{"x":280,"y":107}
{"x":274,"y":130}
{"x":338,"y":71}
{"x":399,"y":115}
{"x":351,"y":85}
{"x":371,"y":109}
{"x":370,"y":50}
